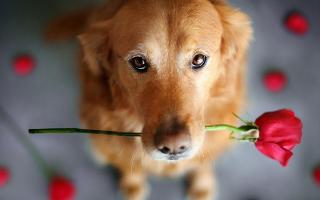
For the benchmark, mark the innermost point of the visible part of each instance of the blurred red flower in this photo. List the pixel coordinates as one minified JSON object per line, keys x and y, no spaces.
{"x":279,"y":132}
{"x":316,"y":175}
{"x":4,"y":176}
{"x":297,"y":23}
{"x":275,"y":81}
{"x":23,"y":65}
{"x":61,"y":188}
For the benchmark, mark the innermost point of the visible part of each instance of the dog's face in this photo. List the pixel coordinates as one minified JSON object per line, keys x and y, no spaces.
{"x":165,"y":56}
{"x":168,"y":59}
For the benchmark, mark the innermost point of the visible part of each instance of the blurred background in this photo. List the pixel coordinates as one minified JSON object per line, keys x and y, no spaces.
{"x":48,"y":96}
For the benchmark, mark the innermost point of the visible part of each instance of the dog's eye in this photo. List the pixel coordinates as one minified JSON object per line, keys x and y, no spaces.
{"x":199,"y":61}
{"x":139,"y":63}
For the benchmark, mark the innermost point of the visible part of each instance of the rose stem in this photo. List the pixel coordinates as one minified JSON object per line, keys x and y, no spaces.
{"x":223,"y":127}
{"x":219,"y":127}
{"x":42,"y":164}
{"x":82,"y":131}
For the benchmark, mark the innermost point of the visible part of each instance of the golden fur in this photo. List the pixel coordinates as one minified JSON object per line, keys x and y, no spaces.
{"x":114,"y":97}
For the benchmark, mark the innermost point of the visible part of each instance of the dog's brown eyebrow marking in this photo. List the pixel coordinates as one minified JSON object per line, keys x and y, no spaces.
{"x":140,"y":49}
{"x":150,"y":50}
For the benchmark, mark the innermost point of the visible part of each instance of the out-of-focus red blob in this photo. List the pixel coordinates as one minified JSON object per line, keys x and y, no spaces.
{"x":316,"y":175}
{"x":4,"y":176}
{"x":296,"y":23}
{"x":61,"y":188}
{"x":275,"y":81}
{"x":23,"y":65}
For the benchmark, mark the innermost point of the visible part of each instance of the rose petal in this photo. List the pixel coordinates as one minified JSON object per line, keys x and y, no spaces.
{"x":4,"y":176}
{"x":279,"y":127}
{"x":274,"y":151}
{"x":316,"y":175}
{"x":275,"y":81}
{"x":23,"y":65}
{"x":297,"y":23}
{"x":61,"y":189}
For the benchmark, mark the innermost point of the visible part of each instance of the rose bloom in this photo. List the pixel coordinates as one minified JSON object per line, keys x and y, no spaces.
{"x":279,"y":132}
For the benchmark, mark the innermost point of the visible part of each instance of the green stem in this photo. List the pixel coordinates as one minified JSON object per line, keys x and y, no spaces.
{"x":219,"y":127}
{"x":222,"y":127}
{"x":81,"y":131}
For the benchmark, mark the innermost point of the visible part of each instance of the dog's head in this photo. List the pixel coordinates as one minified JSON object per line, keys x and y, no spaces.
{"x":167,"y":58}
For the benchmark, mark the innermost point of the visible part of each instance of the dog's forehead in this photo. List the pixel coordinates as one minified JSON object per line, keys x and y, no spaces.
{"x":166,"y":25}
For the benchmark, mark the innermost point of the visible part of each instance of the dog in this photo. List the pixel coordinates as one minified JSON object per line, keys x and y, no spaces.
{"x":164,"y":68}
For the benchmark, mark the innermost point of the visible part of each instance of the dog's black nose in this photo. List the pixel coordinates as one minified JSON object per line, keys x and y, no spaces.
{"x":174,"y":149}
{"x":172,"y":139}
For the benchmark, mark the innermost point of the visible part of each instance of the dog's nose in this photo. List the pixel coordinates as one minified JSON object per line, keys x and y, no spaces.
{"x":172,"y":141}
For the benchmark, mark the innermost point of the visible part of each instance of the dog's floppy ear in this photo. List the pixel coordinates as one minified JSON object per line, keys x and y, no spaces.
{"x":94,"y":39}
{"x":97,"y":71}
{"x":237,"y":32}
{"x":95,"y":45}
{"x":236,"y":36}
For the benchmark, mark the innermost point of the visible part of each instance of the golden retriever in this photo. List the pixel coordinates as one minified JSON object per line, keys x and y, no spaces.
{"x":165,"y":68}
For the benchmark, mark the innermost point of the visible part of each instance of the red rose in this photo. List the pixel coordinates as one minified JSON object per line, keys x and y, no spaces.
{"x":279,"y":132}
{"x":4,"y":176}
{"x":61,"y":188}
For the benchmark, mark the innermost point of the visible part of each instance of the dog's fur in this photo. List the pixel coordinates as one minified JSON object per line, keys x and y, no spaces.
{"x":115,"y":97}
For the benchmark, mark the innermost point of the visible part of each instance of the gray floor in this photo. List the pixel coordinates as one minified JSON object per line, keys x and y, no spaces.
{"x":49,"y":98}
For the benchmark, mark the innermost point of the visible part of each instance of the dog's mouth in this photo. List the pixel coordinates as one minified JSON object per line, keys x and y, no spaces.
{"x":177,"y":157}
{"x":172,"y":157}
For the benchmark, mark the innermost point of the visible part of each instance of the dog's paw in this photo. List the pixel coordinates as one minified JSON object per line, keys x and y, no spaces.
{"x":133,"y":186}
{"x":135,"y":192}
{"x":200,"y":194}
{"x":201,"y":184}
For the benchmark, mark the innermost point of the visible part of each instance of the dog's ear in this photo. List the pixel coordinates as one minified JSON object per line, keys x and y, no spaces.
{"x":237,"y":32}
{"x":97,"y":70}
{"x":94,"y":39}
{"x":95,"y":46}
{"x":236,"y":36}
